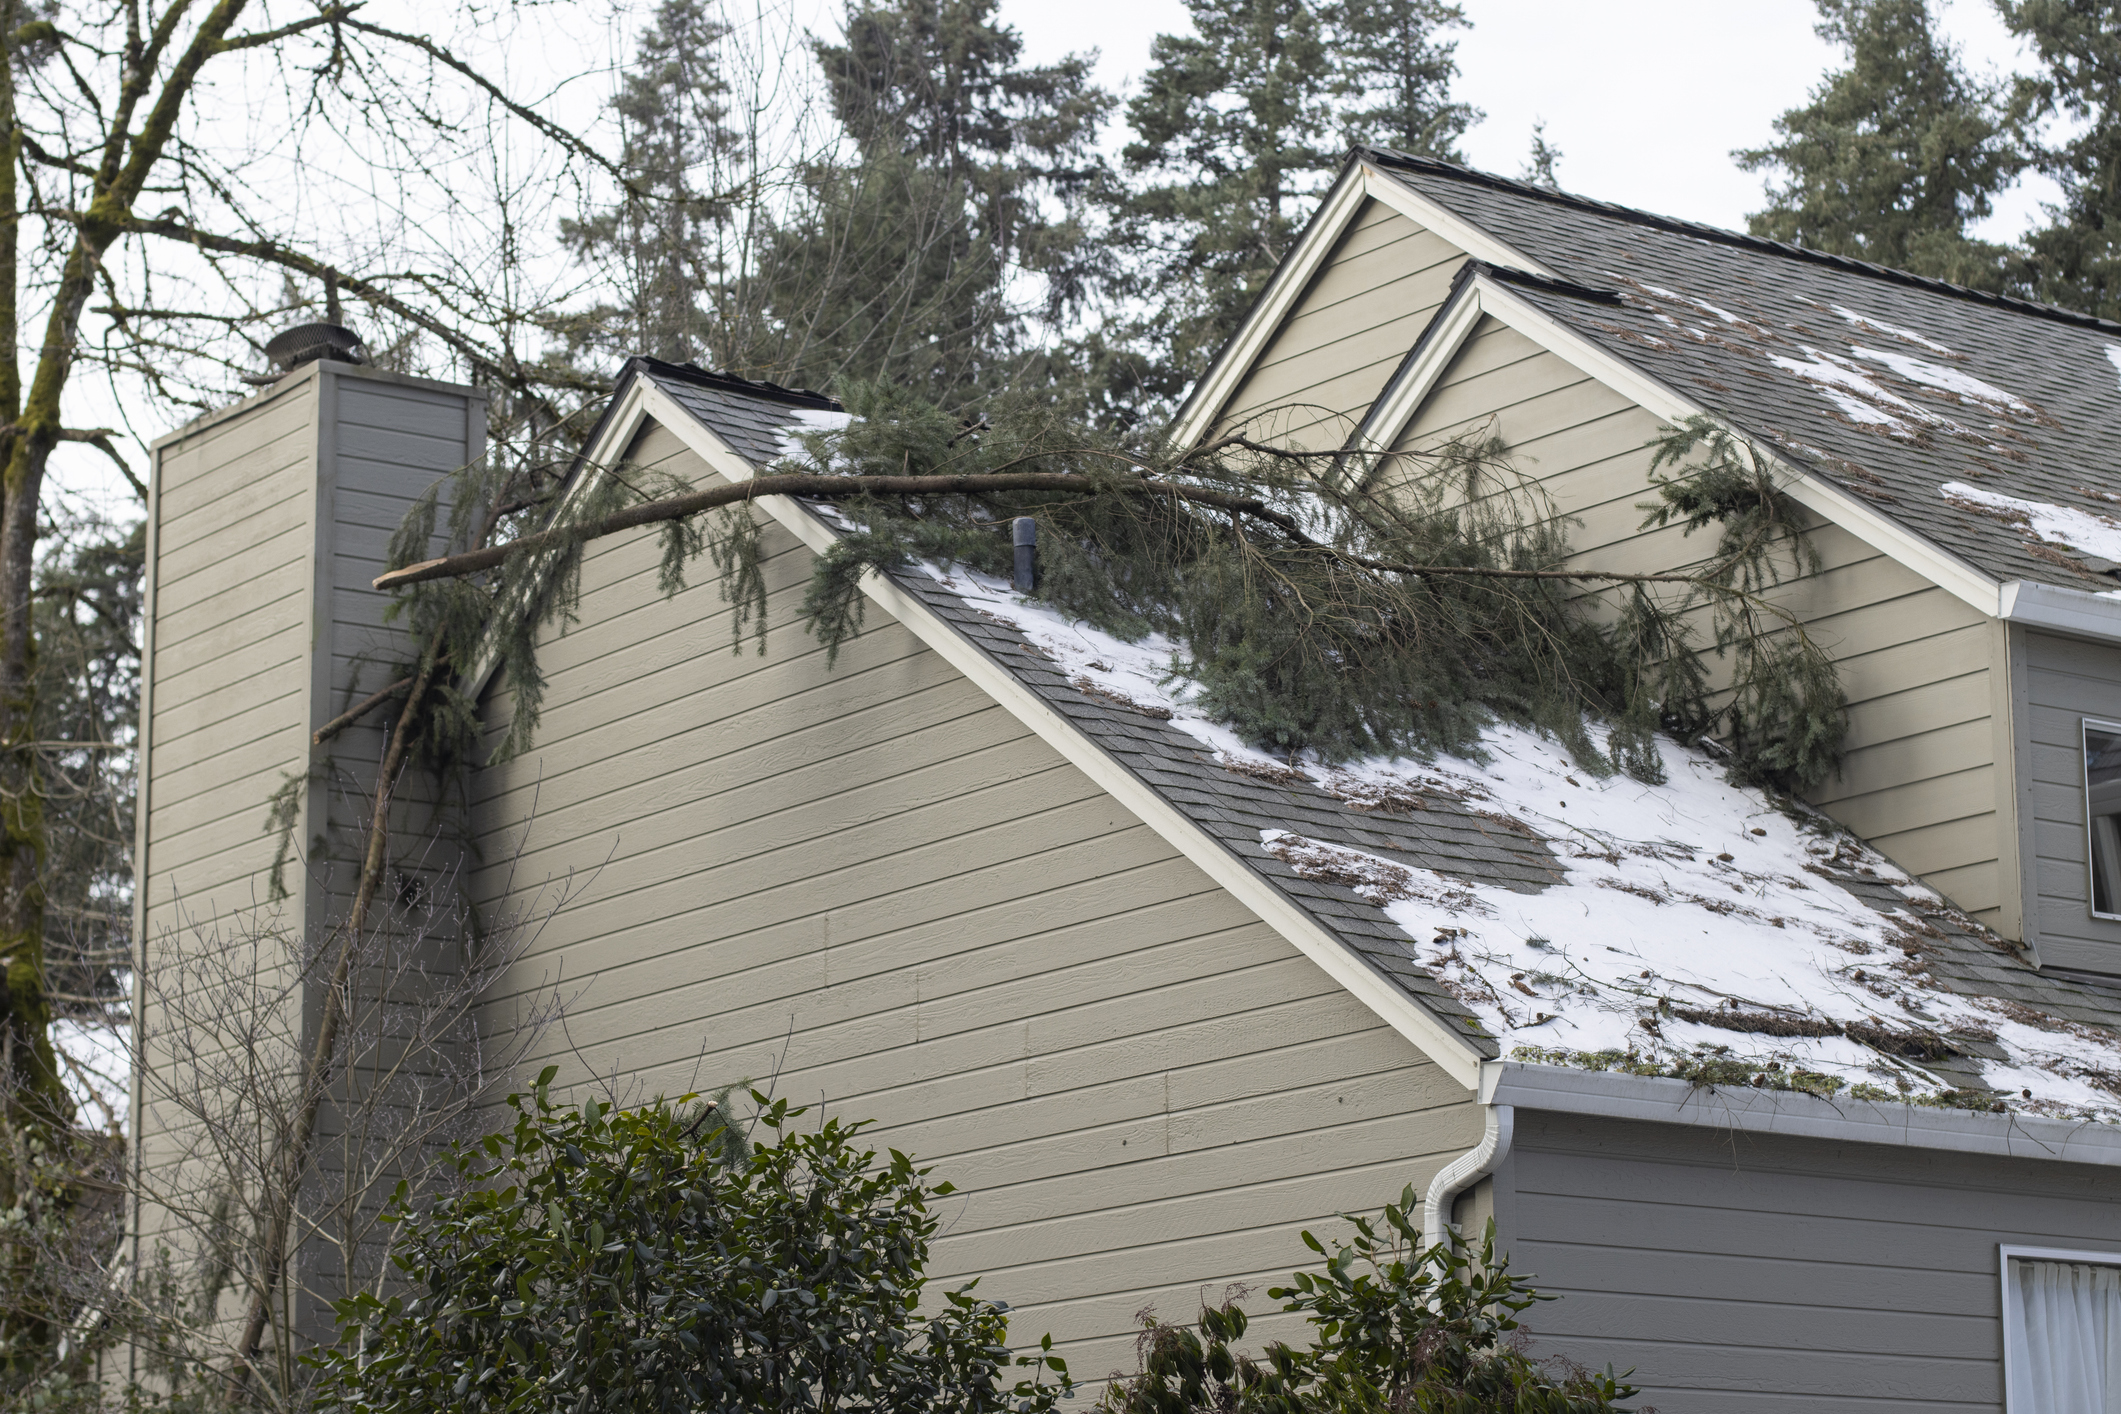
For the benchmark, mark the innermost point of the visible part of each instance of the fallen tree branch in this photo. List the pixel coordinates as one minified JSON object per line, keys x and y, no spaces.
{"x":829,"y":488}
{"x":356,"y":712}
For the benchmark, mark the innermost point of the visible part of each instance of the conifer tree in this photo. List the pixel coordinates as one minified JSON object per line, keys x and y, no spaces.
{"x":661,"y":247}
{"x":962,"y":187}
{"x":1393,"y":75}
{"x":1239,"y":128}
{"x":1895,"y":155}
{"x":2075,"y":260}
{"x":1542,"y":165}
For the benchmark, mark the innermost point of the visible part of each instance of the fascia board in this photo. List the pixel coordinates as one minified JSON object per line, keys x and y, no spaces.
{"x":1881,"y":532}
{"x":1219,"y":383}
{"x":1657,"y":1100}
{"x":2077,"y":612}
{"x":1389,"y":190}
{"x":1380,"y":994}
{"x":1410,"y":387}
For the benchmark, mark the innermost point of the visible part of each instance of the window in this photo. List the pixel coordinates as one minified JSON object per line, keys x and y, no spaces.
{"x":2102,"y":810}
{"x":2061,"y":1331}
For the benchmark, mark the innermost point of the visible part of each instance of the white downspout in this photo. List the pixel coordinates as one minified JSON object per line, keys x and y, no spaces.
{"x":1464,"y":1171}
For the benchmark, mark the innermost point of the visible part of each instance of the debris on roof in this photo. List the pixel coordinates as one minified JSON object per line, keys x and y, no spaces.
{"x":2086,"y":532}
{"x":1699,"y":928}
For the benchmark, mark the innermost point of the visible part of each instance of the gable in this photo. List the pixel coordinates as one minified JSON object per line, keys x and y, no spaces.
{"x":1383,"y":282}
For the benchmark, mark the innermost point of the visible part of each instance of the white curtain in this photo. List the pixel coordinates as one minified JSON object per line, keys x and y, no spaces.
{"x":2066,"y":1325}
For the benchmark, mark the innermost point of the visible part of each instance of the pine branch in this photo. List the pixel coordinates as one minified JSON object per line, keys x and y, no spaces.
{"x":825,"y":488}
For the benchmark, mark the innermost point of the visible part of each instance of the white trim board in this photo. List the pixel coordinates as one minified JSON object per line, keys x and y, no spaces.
{"x":1428,"y":1032}
{"x":1359,"y":180}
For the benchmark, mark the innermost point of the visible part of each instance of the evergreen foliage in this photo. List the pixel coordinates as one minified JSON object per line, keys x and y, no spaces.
{"x":1321,"y":605}
{"x":945,"y":213}
{"x":664,"y":246}
{"x":967,"y":171}
{"x":1542,"y":166}
{"x":627,"y":1261}
{"x":1396,"y":1326}
{"x":1895,"y":155}
{"x":2075,"y":260}
{"x":1237,"y":130}
{"x":1392,"y":75}
{"x":88,"y":598}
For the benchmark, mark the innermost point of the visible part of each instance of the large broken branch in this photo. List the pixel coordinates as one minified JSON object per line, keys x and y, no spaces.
{"x":831,"y":488}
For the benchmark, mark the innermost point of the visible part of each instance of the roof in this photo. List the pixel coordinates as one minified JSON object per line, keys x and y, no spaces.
{"x":1888,"y":385}
{"x":1385,"y":853}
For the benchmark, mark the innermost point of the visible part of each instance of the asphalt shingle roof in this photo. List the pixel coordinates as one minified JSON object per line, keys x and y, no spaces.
{"x":1709,"y":313}
{"x":1440,"y":832}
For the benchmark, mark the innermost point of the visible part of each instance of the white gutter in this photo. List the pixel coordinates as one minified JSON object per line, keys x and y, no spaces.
{"x":1466,"y":1170}
{"x":2081,"y":612}
{"x":1614,"y":1095}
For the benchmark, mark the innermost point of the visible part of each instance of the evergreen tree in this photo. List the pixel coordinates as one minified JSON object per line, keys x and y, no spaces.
{"x":1238,"y":129}
{"x":1541,"y":166}
{"x":955,"y":214}
{"x":661,"y":247}
{"x":1896,"y":154}
{"x":2075,"y":260}
{"x":1394,"y":76}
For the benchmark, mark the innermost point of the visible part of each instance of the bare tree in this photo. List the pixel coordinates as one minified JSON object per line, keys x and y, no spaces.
{"x":228,"y":1218}
{"x":117,"y":182}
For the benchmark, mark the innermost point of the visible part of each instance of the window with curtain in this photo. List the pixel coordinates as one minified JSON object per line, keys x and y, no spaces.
{"x":2062,"y":1334}
{"x":2102,"y":814}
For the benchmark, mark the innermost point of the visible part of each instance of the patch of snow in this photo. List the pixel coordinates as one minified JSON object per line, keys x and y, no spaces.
{"x":1948,"y":380}
{"x":1864,"y":321}
{"x":2086,"y":532}
{"x":1690,"y":897}
{"x":2113,"y":356}
{"x":809,"y":420}
{"x":1703,"y":305}
{"x":1853,"y":391}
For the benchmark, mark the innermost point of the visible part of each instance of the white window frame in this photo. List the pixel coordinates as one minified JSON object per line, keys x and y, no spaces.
{"x":2013,"y":1353}
{"x":2086,"y":725}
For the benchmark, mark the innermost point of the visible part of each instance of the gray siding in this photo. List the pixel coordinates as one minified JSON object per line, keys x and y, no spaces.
{"x":872,"y":881}
{"x":1365,"y":308}
{"x":1755,"y":1273}
{"x":2066,"y":681}
{"x":1920,"y":781}
{"x":267,"y":522}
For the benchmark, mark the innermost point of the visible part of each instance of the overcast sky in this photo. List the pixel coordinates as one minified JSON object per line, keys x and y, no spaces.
{"x":1645,"y":98}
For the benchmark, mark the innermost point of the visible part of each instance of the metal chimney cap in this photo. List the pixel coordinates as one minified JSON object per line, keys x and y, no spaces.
{"x":290,"y":349}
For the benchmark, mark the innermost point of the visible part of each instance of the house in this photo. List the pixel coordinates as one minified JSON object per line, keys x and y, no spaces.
{"x":1783,"y":1112}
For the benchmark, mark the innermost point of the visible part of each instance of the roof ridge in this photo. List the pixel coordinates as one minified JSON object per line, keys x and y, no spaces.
{"x":730,"y":383}
{"x":1703,"y":231}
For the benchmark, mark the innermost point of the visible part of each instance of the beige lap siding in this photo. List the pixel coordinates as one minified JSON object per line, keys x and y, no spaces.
{"x":874,"y":881}
{"x":1919,"y":781}
{"x":1363,"y":311}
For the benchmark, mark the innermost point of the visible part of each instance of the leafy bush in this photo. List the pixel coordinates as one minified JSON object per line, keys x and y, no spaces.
{"x":1397,"y":1327}
{"x":621,"y":1261}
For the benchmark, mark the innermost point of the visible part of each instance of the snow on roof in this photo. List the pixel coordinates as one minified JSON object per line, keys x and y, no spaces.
{"x":1698,"y":928}
{"x":2086,"y":532}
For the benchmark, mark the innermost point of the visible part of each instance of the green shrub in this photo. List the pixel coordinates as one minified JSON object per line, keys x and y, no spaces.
{"x":1397,"y":1328}
{"x":626,"y":1261}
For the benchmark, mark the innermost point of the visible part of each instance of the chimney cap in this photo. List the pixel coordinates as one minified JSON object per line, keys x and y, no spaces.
{"x":290,"y":349}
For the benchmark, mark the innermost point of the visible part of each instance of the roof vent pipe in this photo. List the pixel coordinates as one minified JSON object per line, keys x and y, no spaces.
{"x":1024,"y":530}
